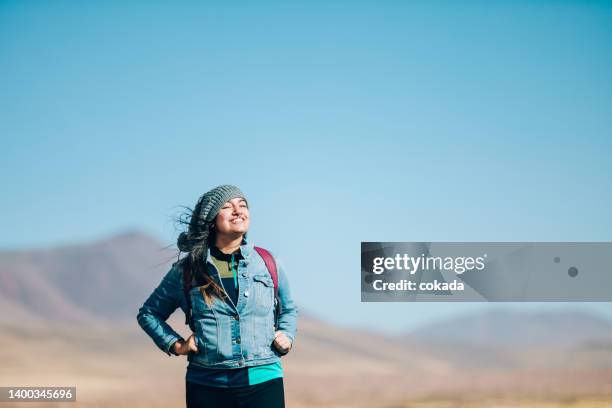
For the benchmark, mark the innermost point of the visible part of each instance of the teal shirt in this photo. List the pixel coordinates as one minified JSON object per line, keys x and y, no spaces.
{"x":237,"y":377}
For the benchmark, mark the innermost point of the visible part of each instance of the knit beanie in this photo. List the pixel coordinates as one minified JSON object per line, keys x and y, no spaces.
{"x":203,"y":216}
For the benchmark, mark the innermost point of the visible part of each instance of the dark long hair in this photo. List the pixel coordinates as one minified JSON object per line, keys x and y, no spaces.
{"x":199,"y":236}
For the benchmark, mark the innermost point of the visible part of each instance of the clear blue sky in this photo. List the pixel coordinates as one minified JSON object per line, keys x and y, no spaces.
{"x":342,"y":122}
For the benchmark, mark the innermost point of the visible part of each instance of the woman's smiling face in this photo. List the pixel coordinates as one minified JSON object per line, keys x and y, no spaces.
{"x":233,"y":217}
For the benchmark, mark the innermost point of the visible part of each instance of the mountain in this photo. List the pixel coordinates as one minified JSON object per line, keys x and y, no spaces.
{"x":510,"y":340}
{"x":508,"y":328}
{"x":101,"y":280}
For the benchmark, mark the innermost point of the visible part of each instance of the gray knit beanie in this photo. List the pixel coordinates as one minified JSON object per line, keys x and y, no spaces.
{"x":203,"y":216}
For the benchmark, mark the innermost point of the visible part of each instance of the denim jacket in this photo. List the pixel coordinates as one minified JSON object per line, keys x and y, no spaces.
{"x":227,"y":335}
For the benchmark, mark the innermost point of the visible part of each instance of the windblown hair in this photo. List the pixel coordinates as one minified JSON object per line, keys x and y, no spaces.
{"x":196,"y":240}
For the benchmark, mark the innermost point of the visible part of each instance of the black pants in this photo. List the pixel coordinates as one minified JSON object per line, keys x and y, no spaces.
{"x":268,"y":394}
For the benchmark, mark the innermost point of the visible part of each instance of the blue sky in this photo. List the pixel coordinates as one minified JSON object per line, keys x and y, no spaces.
{"x":342,"y":121}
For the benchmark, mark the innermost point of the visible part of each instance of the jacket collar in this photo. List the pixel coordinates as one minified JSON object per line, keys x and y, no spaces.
{"x":246,"y":250}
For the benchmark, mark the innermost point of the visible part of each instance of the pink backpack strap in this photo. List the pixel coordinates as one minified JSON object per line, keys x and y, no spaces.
{"x":271,"y":265}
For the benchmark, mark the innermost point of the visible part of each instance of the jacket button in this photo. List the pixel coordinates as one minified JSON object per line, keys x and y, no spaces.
{"x":237,"y":317}
{"x":246,"y":293}
{"x":238,"y":340}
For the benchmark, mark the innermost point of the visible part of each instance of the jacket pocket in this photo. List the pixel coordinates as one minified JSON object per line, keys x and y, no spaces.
{"x":263,"y":291}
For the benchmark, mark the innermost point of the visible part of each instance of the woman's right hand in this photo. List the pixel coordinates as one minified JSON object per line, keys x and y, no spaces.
{"x":183,"y":347}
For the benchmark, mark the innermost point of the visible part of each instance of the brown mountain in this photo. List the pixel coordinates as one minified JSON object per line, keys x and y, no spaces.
{"x":100,"y":280}
{"x":514,"y":340}
{"x":513,"y":328}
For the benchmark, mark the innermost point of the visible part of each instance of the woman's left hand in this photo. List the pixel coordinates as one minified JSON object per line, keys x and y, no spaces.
{"x":282,"y":342}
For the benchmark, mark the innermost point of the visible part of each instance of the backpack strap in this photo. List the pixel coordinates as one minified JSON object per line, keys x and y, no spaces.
{"x":271,"y":265}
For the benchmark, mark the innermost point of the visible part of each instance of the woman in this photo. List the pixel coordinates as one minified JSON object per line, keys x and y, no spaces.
{"x":227,"y":292}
